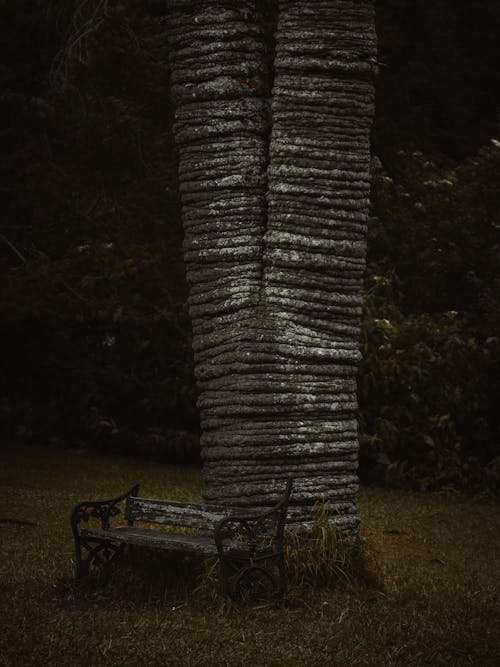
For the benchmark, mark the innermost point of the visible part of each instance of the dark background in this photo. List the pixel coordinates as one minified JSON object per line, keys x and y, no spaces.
{"x":95,"y":333}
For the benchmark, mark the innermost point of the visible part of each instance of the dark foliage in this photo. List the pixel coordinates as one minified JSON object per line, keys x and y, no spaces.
{"x":95,"y":332}
{"x":429,"y":382}
{"x":93,"y":311}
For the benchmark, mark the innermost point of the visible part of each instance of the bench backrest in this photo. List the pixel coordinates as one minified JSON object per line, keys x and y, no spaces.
{"x":206,"y":518}
{"x":172,"y":513}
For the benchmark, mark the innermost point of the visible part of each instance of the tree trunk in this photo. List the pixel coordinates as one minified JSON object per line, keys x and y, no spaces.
{"x":274,"y":243}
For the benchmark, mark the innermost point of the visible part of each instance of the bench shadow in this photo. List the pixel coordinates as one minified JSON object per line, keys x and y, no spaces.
{"x":144,"y":576}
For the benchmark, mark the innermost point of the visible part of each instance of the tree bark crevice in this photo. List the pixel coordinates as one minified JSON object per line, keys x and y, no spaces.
{"x":275,"y":193}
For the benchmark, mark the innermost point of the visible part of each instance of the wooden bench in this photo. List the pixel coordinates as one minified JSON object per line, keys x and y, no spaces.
{"x":249,"y":544}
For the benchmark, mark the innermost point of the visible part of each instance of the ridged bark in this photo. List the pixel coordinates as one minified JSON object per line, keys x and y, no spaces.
{"x":275,"y":256}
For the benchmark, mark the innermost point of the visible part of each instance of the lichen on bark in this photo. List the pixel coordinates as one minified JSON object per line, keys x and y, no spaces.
{"x":275,"y":222}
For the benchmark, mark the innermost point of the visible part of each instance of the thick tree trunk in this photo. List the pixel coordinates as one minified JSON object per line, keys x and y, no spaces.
{"x":275,"y":286}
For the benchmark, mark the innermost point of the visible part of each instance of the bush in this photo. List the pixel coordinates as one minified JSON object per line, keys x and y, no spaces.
{"x":429,"y":384}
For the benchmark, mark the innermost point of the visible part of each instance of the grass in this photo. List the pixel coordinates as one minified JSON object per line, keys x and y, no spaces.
{"x":439,"y":604}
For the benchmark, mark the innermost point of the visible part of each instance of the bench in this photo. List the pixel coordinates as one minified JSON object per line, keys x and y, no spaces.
{"x":249,"y":544}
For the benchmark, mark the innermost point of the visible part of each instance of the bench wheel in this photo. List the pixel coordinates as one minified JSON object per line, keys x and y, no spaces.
{"x":256,"y":582}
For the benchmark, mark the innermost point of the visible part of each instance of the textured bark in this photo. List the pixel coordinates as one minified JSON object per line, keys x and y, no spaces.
{"x":275,"y":242}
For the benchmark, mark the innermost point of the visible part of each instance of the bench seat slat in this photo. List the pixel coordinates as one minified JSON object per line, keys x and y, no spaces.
{"x":152,"y":510}
{"x":149,"y":537}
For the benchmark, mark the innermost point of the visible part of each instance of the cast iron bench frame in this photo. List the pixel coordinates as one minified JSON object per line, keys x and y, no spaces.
{"x":249,"y":544}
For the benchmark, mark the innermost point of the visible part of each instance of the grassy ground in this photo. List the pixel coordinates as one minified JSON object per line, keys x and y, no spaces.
{"x":439,"y":605}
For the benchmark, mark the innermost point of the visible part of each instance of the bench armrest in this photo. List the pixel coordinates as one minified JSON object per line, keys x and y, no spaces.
{"x":98,"y":509}
{"x":254,"y":530}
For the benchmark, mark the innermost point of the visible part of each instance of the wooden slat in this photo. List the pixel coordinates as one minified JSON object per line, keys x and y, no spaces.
{"x":174,"y":513}
{"x":148,"y":537}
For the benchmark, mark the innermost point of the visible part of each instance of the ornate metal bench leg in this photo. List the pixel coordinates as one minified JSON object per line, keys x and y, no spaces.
{"x":105,"y":571}
{"x":282,"y":586}
{"x":81,"y":565}
{"x":97,"y":553}
{"x":243,"y":578}
{"x":229,"y":573}
{"x":84,"y":559}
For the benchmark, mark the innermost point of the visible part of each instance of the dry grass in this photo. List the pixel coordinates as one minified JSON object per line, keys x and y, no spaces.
{"x":326,"y":557}
{"x":439,"y":604}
